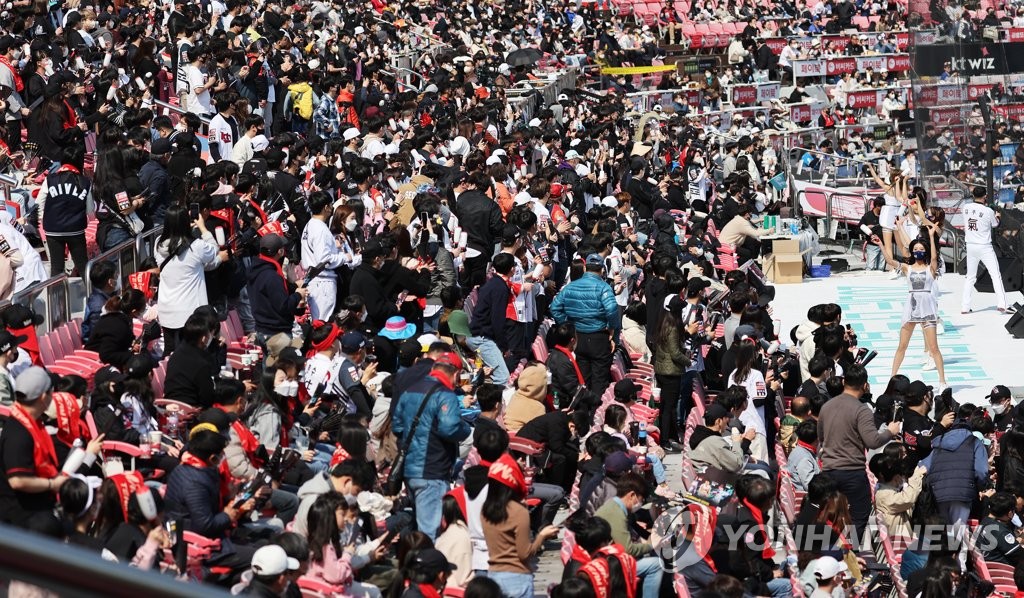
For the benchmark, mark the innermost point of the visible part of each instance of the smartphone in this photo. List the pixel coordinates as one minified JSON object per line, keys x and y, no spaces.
{"x":193,"y":211}
{"x":370,"y":358}
{"x":123,"y":203}
{"x":424,"y":217}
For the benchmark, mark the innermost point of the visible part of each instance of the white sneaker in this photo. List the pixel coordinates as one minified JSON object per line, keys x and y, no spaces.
{"x":929,"y":363}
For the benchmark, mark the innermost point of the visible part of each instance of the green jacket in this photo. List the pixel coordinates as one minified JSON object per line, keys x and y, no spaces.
{"x":614,"y":512}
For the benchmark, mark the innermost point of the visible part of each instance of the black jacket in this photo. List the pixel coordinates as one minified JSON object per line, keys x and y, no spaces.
{"x":480,"y":217}
{"x":551,"y":429}
{"x":193,"y":496}
{"x":489,"y":312}
{"x":65,"y":211}
{"x":274,"y":305}
{"x":366,"y":283}
{"x":110,"y":419}
{"x":564,"y":382}
{"x":746,"y":563}
{"x":190,"y":375}
{"x":112,"y":338}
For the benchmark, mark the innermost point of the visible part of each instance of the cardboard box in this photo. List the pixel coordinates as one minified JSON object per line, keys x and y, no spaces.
{"x":785,"y":265}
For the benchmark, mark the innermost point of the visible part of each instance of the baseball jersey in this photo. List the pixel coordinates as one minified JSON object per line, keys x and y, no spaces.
{"x":979,"y":220}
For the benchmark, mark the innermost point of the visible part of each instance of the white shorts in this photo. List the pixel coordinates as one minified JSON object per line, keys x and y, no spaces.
{"x":887,"y":217}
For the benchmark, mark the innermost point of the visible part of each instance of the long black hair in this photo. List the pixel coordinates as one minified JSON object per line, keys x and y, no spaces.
{"x":322,"y":523}
{"x":495,"y":509}
{"x":177,"y":229}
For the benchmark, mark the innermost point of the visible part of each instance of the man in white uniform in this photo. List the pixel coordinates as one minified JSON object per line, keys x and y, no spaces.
{"x":319,"y":248}
{"x":979,"y":220}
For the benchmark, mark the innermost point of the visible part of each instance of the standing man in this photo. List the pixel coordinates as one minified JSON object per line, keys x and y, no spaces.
{"x":589,"y":303}
{"x":223,"y":129}
{"x":979,"y":220}
{"x":10,"y":77}
{"x":480,"y":217}
{"x":319,"y":248}
{"x":872,"y":229}
{"x":846,"y":428}
{"x":65,"y":200}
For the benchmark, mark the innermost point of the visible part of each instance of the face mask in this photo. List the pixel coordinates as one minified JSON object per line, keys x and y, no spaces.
{"x":919,"y":255}
{"x":351,"y":225}
{"x":288,"y":388}
{"x":999,"y":409}
{"x":351,"y":499}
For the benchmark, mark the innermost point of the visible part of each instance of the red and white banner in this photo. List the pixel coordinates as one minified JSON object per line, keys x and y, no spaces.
{"x":744,"y":95}
{"x":976,"y":91}
{"x":1014,"y":111}
{"x":864,"y":99}
{"x":949,"y":94}
{"x":800,"y":113}
{"x":947,"y":116}
{"x":897,"y":63}
{"x":1015,"y":34}
{"x":839,"y":66}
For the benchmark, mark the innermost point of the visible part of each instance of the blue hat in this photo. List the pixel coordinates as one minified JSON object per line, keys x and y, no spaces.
{"x":595,"y":258}
{"x":352,"y":341}
{"x":397,"y":329}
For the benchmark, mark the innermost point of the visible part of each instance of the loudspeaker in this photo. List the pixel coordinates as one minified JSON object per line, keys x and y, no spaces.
{"x":1012,"y":270}
{"x":1015,"y":325}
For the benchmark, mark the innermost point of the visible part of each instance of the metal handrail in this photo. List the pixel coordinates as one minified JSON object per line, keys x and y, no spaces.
{"x":117,"y":250}
{"x":75,"y":572}
{"x":51,"y":317}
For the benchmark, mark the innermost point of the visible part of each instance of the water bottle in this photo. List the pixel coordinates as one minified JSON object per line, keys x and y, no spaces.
{"x":641,"y":438}
{"x":172,"y":422}
{"x":75,"y":459}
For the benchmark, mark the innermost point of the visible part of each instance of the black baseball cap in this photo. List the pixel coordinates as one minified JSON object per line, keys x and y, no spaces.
{"x":918,"y":389}
{"x":9,"y":341}
{"x":715,"y":412}
{"x":999,"y":392}
{"x":429,"y":562}
{"x":626,"y":390}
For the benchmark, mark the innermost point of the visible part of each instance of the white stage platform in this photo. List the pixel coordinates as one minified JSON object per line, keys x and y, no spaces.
{"x":977,"y":350}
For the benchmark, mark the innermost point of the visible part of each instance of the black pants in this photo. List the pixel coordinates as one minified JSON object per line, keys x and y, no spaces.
{"x":517,"y":334}
{"x":853,"y":483}
{"x":75,"y":244}
{"x":669,"y":386}
{"x":172,"y":336}
{"x":475,"y":271}
{"x":561,"y":470}
{"x":14,"y":135}
{"x":594,"y":357}
{"x":749,"y":250}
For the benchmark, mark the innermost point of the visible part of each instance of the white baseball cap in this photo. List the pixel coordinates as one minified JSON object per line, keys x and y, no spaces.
{"x":572,"y":155}
{"x":350,"y":134}
{"x":492,"y":159}
{"x":272,"y":560}
{"x":459,"y":146}
{"x":610,"y":202}
{"x":359,"y":30}
{"x":260,"y":143}
{"x":827,"y":567}
{"x":523,"y":198}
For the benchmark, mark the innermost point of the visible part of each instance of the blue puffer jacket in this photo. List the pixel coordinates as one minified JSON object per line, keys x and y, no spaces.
{"x":589,"y":303}
{"x":441,"y":427}
{"x":957,"y":466}
{"x":193,"y":496}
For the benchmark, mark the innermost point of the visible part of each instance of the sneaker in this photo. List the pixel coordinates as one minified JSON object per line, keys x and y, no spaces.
{"x":929,"y":363}
{"x":965,"y":311}
{"x":665,"y":492}
{"x":1007,"y":310}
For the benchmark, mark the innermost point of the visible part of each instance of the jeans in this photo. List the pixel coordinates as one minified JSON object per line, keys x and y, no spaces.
{"x":492,"y":357}
{"x":427,"y":495}
{"x":285,"y":503}
{"x":514,"y":585}
{"x":854,"y":485}
{"x":649,"y":570}
{"x":955,"y":513}
{"x":55,"y":249}
{"x":657,"y":468}
{"x":115,"y":236}
{"x":594,"y":357}
{"x":550,"y":495}
{"x":781,"y":587}
{"x":874,"y":261}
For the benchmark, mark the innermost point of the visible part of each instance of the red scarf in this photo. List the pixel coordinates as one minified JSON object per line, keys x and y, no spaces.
{"x":126,"y":484}
{"x":69,"y":415}
{"x":428,"y":590}
{"x":43,"y":453}
{"x":579,"y":555}
{"x":599,"y":575}
{"x":19,"y":85}
{"x":768,"y":552}
{"x":280,"y":271}
{"x":810,"y":447}
{"x":194,"y":461}
{"x":72,"y":120}
{"x":68,"y":168}
{"x":628,"y":563}
{"x":704,"y":521}
{"x":830,"y":121}
{"x":248,"y":441}
{"x":340,"y":454}
{"x":572,"y":359}
{"x":842,"y":538}
{"x":31,"y":345}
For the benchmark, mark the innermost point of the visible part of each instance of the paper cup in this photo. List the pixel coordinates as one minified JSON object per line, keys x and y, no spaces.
{"x":155,"y":437}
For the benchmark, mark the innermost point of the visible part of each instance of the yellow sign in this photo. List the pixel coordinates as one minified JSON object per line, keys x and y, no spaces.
{"x":637,"y":70}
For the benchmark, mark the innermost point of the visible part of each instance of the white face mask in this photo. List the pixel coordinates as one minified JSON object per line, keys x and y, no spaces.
{"x":351,"y":499}
{"x":999,"y":409}
{"x":288,"y":388}
{"x":351,"y":225}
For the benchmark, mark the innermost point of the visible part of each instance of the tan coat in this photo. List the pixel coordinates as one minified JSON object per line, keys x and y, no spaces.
{"x":528,"y":402}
